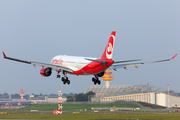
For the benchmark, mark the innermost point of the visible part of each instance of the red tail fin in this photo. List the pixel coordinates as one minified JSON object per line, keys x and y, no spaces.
{"x":109,"y":47}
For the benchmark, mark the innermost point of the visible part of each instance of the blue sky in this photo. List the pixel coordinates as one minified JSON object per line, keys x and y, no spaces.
{"x":39,"y":30}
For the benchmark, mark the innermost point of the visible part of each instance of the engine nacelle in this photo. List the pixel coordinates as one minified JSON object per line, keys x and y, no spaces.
{"x":46,"y":72}
{"x":100,"y":74}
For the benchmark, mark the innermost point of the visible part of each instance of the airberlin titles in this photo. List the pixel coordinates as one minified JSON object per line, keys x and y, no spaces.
{"x":57,"y":61}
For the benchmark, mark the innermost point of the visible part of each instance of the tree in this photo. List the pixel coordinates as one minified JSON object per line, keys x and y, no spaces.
{"x":80,"y":97}
{"x":15,"y":96}
{"x":83,"y":97}
{"x":64,"y":95}
{"x":69,"y":99}
{"x":89,"y":95}
{"x":71,"y":94}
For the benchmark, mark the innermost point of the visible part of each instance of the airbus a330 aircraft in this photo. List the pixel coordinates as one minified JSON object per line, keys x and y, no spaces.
{"x":85,"y":65}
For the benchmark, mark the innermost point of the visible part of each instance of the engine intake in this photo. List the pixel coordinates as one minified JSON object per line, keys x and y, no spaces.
{"x":46,"y":72}
{"x":100,"y":74}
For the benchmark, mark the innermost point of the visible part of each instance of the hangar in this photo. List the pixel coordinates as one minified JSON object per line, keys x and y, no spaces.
{"x":138,"y":93}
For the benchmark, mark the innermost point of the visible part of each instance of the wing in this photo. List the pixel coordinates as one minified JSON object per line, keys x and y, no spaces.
{"x":53,"y":67}
{"x":125,"y":66}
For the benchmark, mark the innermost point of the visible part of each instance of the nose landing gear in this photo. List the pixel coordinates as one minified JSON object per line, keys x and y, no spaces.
{"x":58,"y":76}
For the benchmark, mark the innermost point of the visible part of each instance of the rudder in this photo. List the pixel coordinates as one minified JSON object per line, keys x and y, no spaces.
{"x":108,"y":52}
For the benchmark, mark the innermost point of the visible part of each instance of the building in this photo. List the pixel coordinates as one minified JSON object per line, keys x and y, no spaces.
{"x":139,"y":93}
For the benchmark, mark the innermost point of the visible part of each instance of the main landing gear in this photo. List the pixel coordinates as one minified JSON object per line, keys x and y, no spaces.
{"x":65,"y":78}
{"x":96,"y":80}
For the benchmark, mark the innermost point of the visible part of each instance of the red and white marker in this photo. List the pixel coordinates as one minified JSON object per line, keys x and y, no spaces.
{"x":60,"y":102}
{"x":59,"y":111}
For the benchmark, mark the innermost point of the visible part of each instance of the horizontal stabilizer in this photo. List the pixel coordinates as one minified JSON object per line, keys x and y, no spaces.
{"x":103,"y":62}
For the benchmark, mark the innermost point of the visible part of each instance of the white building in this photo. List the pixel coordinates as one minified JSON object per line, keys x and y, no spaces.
{"x":161,"y":99}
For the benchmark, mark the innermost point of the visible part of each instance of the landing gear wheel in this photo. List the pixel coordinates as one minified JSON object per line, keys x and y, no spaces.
{"x":68,"y":82}
{"x":99,"y":82}
{"x":64,"y":82}
{"x":93,"y":79}
{"x":96,"y":80}
{"x":58,"y":76}
{"x":63,"y":79}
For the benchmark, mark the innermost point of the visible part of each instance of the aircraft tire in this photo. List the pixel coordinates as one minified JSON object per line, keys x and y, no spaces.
{"x":62,"y":79}
{"x":68,"y":82}
{"x":64,"y":82}
{"x":99,"y":82}
{"x":93,"y":79}
{"x":94,"y":82}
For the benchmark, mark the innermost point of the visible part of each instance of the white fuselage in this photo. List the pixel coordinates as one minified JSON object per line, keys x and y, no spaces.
{"x":73,"y":62}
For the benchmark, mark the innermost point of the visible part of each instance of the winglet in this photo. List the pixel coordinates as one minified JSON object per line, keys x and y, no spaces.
{"x":174,"y":56}
{"x":4,"y":54}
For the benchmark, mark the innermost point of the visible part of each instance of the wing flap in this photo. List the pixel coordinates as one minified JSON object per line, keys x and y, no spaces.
{"x":126,"y":61}
{"x":116,"y":66}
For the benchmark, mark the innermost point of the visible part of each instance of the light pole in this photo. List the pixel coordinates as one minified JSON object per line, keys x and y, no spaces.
{"x":168,"y":95}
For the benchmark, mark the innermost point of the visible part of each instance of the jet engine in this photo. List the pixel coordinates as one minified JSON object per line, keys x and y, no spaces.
{"x":46,"y":72}
{"x":100,"y":74}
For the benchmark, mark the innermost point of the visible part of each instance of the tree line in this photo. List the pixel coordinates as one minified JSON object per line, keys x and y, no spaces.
{"x":80,"y":97}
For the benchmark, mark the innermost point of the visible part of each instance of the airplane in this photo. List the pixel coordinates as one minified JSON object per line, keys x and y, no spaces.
{"x":85,"y":65}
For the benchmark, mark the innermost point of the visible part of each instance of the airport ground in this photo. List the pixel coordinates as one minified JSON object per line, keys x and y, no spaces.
{"x":68,"y":107}
{"x":77,"y":112}
{"x":94,"y":116}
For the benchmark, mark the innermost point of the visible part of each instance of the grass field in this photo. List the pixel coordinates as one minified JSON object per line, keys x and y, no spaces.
{"x":24,"y":113}
{"x":73,"y":107}
{"x":94,"y":116}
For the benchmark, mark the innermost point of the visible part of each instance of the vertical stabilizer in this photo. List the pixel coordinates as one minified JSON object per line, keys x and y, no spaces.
{"x":108,"y":52}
